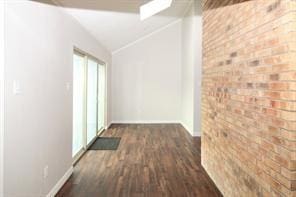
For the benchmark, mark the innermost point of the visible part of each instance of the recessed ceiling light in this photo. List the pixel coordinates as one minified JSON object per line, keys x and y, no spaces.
{"x":153,"y":7}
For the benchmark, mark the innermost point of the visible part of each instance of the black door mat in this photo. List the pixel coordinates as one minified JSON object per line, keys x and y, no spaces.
{"x":105,"y":143}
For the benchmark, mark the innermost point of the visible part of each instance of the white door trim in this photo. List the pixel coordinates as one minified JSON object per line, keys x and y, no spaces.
{"x":2,"y":61}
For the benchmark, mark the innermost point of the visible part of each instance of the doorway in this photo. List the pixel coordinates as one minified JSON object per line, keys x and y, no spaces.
{"x":89,"y":103}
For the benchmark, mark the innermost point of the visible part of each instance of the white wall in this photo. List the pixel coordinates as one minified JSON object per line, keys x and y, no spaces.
{"x":1,"y":93}
{"x":38,"y":132}
{"x":188,"y":70}
{"x":146,"y":78}
{"x":197,"y":39}
{"x":191,"y":68}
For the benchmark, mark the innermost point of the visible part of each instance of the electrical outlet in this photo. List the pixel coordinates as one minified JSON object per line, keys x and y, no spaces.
{"x":45,"y":172}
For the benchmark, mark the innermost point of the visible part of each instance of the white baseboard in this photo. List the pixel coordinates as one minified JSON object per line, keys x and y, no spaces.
{"x":196,"y":134}
{"x":141,"y":122}
{"x":60,"y":183}
{"x":193,"y":134}
{"x":145,"y":122}
{"x":108,"y":126}
{"x":186,"y":128}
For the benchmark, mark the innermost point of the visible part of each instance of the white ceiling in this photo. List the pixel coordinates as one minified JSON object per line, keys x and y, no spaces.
{"x":116,"y":23}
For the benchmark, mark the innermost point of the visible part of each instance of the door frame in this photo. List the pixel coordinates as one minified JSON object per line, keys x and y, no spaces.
{"x":87,"y":56}
{"x":81,"y":151}
{"x":2,"y":92}
{"x":104,"y":126}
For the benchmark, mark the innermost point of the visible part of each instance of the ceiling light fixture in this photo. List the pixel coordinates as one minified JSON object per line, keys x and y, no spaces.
{"x":153,"y":7}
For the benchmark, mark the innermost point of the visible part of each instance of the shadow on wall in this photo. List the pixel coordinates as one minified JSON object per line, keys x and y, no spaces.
{"x":124,"y":6}
{"x":213,"y":4}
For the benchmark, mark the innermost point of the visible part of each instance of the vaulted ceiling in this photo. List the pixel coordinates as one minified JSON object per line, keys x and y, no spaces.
{"x":116,"y":23}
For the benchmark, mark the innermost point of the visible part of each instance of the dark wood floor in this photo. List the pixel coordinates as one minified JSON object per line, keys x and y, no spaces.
{"x":152,"y":160}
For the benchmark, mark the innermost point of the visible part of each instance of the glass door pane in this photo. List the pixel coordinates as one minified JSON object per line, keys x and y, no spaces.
{"x":101,"y":97}
{"x":92,"y":92}
{"x":78,"y":103}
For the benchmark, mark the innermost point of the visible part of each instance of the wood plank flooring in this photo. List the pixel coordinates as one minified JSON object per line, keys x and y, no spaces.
{"x":155,"y":160}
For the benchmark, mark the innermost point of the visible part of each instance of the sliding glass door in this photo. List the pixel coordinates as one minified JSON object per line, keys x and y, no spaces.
{"x":78,"y":103}
{"x":92,"y":96}
{"x":101,"y":97}
{"x":88,"y":101}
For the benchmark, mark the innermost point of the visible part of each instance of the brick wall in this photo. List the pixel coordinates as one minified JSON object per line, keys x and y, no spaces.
{"x":249,"y":96}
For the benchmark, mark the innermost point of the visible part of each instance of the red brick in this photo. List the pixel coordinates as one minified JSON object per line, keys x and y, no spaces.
{"x":249,"y":49}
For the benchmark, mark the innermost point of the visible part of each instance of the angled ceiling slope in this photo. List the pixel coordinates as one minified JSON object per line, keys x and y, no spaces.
{"x":116,"y":23}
